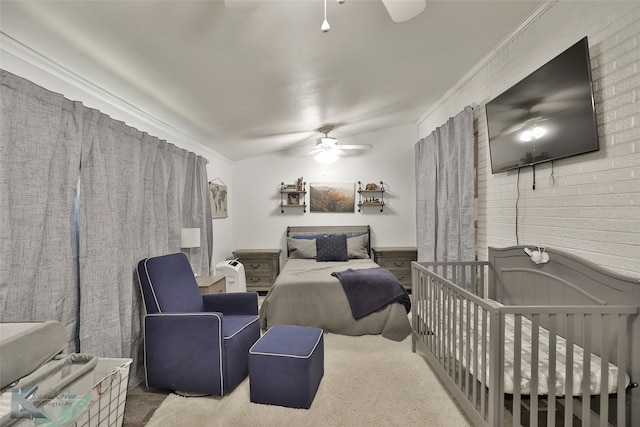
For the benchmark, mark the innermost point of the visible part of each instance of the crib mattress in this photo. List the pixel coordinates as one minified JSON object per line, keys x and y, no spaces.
{"x":543,"y":364}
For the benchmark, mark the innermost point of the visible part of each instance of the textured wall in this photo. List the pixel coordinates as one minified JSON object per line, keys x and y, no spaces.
{"x":592,"y":206}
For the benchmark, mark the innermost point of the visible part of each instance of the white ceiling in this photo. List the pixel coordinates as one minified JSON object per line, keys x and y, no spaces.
{"x":266,"y":80}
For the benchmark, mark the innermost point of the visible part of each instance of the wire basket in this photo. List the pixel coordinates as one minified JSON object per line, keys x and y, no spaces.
{"x":108,"y":395}
{"x":95,"y":396}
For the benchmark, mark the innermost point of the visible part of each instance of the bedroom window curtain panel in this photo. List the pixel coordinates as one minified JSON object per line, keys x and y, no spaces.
{"x":40,"y":148}
{"x":444,"y":191}
{"x":127,"y":195}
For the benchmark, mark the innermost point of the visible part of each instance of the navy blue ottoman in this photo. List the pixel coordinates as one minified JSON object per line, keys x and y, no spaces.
{"x":286,"y":365}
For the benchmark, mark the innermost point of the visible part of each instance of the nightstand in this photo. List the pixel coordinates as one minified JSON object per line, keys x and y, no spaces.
{"x":211,"y":284}
{"x":397,"y":260}
{"x":261,"y":267}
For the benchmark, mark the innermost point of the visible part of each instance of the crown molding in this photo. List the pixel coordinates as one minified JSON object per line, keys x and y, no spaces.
{"x":539,"y":11}
{"x":33,"y":58}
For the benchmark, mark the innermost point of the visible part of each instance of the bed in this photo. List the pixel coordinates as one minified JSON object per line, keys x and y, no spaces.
{"x":308,"y":293}
{"x":519,"y":343}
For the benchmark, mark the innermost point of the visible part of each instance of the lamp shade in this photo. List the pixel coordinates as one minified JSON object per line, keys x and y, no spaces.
{"x":190,"y":238}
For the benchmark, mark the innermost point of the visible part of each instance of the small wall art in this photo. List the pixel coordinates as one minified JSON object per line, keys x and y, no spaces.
{"x":218,"y":200}
{"x":332,"y":197}
{"x":293,"y":198}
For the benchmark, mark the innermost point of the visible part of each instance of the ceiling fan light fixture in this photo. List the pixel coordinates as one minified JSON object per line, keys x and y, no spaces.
{"x":326,"y":157}
{"x":538,"y":132}
{"x":327,"y":142}
{"x":530,"y":134}
{"x":526,"y":136}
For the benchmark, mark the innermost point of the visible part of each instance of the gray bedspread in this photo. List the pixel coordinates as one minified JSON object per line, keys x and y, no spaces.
{"x":306,"y":294}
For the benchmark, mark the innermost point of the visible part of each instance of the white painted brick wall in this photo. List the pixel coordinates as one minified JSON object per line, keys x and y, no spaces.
{"x":592,"y":207}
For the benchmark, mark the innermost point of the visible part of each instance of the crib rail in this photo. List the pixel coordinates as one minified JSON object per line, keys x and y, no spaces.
{"x":462,"y":335}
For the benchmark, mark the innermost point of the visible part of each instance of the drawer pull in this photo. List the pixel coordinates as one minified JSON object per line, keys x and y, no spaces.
{"x":255,"y":265}
{"x":254,"y":279}
{"x":398,"y":264}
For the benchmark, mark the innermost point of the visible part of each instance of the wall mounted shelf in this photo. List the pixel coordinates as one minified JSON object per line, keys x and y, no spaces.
{"x":372,"y":195}
{"x":293,"y":196}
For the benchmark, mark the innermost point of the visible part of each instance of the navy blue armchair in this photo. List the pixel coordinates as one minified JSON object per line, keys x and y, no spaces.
{"x":192,"y":342}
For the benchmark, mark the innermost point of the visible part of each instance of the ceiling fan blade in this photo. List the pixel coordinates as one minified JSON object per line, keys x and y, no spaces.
{"x":403,"y":10}
{"x":348,"y":153}
{"x":303,"y":151}
{"x":354,"y":147}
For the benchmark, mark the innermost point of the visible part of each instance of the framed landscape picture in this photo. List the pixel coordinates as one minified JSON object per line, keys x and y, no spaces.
{"x":218,"y":200}
{"x":332,"y":197}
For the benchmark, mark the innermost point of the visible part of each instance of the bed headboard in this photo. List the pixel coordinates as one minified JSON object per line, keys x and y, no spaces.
{"x":348,"y":230}
{"x":567,"y":280}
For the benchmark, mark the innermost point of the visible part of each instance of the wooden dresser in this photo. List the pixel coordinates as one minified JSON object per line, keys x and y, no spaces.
{"x":261,"y":267}
{"x":397,"y":260}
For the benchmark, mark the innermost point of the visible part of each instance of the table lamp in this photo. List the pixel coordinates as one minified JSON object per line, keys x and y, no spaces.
{"x":190,"y":238}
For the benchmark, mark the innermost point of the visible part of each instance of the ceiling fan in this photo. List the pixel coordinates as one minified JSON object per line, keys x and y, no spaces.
{"x":399,"y":10}
{"x":328,"y":150}
{"x":403,"y":10}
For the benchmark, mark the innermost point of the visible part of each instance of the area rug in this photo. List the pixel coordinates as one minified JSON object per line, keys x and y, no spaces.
{"x":368,"y":381}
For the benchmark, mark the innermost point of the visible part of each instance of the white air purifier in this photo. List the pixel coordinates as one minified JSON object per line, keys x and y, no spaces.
{"x":234,"y":275}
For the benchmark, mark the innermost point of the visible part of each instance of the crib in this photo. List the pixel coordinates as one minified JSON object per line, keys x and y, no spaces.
{"x":518,"y":343}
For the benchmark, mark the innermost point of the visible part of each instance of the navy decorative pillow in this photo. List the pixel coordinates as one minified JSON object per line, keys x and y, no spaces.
{"x":332,"y":248}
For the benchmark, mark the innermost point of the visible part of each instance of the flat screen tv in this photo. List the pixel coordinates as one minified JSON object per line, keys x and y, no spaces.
{"x":548,"y":115}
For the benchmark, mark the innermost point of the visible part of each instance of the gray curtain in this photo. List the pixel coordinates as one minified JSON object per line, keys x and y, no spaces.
{"x":39,"y":162}
{"x":126,"y":194}
{"x":444,"y":191}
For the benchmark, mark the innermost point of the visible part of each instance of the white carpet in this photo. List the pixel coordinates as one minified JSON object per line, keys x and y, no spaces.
{"x":368,"y":381}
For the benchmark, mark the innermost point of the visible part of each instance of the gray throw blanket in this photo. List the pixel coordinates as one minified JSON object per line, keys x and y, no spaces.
{"x":371,"y":289}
